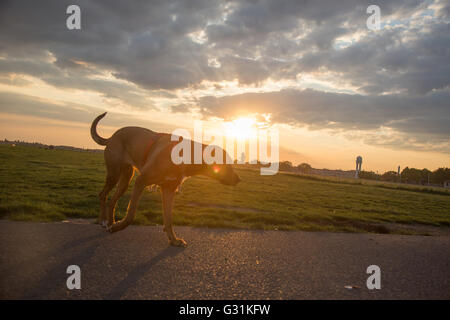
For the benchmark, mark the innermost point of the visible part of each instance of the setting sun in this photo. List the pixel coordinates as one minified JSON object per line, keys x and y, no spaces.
{"x":241,"y":128}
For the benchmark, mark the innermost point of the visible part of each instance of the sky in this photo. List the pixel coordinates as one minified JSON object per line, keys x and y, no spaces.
{"x":334,"y":88}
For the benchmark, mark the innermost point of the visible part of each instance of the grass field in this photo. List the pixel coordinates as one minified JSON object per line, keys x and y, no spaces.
{"x":52,"y":185}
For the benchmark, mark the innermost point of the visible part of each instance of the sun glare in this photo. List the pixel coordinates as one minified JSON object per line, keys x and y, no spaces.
{"x":241,"y":128}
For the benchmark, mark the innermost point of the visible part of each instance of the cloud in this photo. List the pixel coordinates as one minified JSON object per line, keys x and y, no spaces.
{"x":20,"y":104}
{"x":386,"y":62}
{"x":422,"y":119}
{"x":67,"y":74}
{"x":145,"y":43}
{"x":150,"y":43}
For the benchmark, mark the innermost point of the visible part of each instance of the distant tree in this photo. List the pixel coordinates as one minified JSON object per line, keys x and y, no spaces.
{"x":285,"y":166}
{"x":440,"y":175}
{"x":391,"y":176}
{"x":413,"y":175}
{"x":370,"y":175}
{"x":304,"y":167}
{"x":426,"y":176}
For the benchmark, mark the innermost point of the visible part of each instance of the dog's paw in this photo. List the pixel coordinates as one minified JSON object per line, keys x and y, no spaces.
{"x":104,"y":224}
{"x":178,"y":242}
{"x":109,"y":228}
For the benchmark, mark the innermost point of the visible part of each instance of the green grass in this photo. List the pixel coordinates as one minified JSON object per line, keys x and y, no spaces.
{"x":52,"y":185}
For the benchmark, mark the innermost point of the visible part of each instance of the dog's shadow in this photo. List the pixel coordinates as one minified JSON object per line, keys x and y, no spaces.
{"x":55,"y":276}
{"x":139,"y":271}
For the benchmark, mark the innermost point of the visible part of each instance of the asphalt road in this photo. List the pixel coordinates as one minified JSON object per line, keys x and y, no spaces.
{"x":137,"y":263}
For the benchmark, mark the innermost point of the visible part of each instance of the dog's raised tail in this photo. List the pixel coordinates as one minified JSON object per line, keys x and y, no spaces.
{"x":101,"y":141}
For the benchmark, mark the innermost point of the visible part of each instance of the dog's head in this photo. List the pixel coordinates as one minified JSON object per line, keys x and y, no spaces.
{"x":224,"y":173}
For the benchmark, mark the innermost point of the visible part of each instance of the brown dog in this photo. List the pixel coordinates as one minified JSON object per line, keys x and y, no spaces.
{"x":149,"y":152}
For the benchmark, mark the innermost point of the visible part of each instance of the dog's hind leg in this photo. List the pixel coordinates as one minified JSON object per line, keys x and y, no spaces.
{"x":132,"y":206}
{"x":111,"y":180}
{"x":168,"y":194}
{"x":126,"y":175}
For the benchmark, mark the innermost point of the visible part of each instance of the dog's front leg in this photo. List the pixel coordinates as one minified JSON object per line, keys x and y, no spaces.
{"x":132,"y":206}
{"x":168,"y":195}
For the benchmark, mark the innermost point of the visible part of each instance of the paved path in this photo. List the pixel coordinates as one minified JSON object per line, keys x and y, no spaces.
{"x":137,"y":263}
